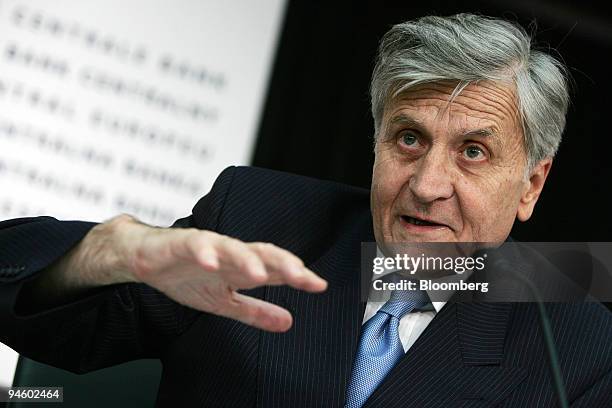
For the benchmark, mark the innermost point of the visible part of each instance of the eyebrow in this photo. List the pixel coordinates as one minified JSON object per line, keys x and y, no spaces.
{"x":403,"y":119}
{"x":484,"y":132}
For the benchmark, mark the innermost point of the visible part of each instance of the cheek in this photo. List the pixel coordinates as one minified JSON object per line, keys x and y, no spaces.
{"x":388,"y":178}
{"x":509,"y":192}
{"x":474,"y":201}
{"x":489,"y":207}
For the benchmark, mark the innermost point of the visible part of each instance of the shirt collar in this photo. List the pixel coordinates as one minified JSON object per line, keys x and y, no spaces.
{"x":436,"y":305}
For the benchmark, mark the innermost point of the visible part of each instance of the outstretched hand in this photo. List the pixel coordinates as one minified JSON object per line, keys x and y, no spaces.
{"x":203,"y":270}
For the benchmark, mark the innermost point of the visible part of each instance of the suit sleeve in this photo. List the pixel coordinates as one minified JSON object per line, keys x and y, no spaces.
{"x":104,"y":327}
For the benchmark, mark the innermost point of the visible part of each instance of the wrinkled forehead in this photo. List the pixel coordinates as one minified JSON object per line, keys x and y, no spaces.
{"x":485,"y":104}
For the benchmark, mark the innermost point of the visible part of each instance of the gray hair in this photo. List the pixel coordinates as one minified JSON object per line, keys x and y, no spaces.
{"x":469,"y":48}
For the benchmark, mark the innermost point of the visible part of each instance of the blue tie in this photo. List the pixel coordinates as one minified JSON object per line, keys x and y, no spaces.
{"x":380,"y":347}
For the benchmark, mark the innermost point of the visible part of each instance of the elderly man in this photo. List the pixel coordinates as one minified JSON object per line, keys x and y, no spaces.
{"x":467,"y":120}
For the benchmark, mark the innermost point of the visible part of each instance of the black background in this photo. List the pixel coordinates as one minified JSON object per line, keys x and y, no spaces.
{"x":317,"y":118}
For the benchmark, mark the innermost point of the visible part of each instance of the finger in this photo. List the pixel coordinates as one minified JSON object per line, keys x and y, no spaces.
{"x":241,"y":267}
{"x":208,"y":258}
{"x":231,"y":258}
{"x":285,"y":268}
{"x":258,"y":313}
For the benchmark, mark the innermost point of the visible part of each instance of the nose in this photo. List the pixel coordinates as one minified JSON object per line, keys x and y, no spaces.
{"x":431,"y":180}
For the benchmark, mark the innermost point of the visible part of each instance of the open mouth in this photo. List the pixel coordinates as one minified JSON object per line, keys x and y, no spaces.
{"x":420,"y":222}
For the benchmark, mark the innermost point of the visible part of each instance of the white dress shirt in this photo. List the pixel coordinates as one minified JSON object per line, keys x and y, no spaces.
{"x":412,"y":324}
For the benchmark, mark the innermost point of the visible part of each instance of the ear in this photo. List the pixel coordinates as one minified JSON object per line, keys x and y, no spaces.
{"x":533,"y":188}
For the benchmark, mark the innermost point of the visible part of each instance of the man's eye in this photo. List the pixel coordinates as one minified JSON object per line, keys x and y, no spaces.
{"x":409,"y":139}
{"x":474,"y":153}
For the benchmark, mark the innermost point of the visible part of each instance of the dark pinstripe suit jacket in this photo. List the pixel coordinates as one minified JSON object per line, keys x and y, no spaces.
{"x":471,"y":355}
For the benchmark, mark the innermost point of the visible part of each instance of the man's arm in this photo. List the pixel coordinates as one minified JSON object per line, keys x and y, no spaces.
{"x":200,"y":269}
{"x":62,"y":300}
{"x":69,"y":308}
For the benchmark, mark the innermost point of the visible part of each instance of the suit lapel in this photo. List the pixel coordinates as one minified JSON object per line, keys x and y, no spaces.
{"x":309,"y":366}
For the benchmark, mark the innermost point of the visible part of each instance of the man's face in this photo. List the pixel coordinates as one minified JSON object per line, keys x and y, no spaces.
{"x":452,"y":173}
